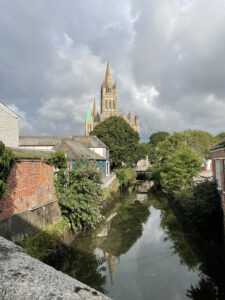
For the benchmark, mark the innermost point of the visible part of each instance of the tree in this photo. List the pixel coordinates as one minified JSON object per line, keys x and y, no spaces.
{"x":220,"y":136}
{"x":7,"y":159}
{"x":58,"y":160}
{"x":157,"y":137}
{"x":122,"y":140}
{"x":177,"y":173}
{"x":200,"y":141}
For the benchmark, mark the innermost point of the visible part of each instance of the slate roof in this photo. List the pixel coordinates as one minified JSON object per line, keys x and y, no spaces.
{"x":30,"y":152}
{"x":88,"y":141}
{"x":75,"y":150}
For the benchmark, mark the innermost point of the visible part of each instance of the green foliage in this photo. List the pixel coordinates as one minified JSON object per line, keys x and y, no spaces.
{"x":58,"y":160}
{"x":200,"y":141}
{"x":220,"y":136}
{"x":200,"y":205}
{"x":121,"y":139}
{"x":157,"y":137}
{"x":178,"y":172}
{"x":79,"y":194}
{"x":7,"y":159}
{"x":125,"y":175}
{"x":46,"y":243}
{"x":152,"y":153}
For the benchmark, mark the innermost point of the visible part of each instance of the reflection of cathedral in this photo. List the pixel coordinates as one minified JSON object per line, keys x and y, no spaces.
{"x":111,"y":261}
{"x":109,"y":107}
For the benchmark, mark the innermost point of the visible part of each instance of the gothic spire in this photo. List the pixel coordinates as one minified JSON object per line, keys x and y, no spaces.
{"x":108,"y":76}
{"x":89,"y":116}
{"x":95,"y":110}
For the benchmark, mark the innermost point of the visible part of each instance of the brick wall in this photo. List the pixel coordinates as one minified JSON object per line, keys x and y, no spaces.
{"x":30,"y":184}
{"x":220,"y":154}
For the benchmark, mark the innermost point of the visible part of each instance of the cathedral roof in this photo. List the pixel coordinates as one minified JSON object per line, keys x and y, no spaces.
{"x":89,"y":116}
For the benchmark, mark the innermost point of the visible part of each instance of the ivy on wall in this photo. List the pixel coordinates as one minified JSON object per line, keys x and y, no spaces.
{"x":7,"y":159}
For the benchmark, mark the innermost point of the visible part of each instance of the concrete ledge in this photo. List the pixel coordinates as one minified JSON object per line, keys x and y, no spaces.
{"x":23,"y":277}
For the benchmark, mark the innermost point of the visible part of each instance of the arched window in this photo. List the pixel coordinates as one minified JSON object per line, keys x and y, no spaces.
{"x":106,"y":104}
{"x":109,"y":104}
{"x":113,"y":104}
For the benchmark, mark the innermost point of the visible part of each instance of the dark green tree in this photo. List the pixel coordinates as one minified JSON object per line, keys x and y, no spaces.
{"x":157,"y":137}
{"x":58,"y":160}
{"x":122,"y":140}
{"x":7,"y":159}
{"x":220,"y":136}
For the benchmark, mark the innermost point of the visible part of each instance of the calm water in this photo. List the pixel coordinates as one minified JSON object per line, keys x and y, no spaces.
{"x":141,"y":251}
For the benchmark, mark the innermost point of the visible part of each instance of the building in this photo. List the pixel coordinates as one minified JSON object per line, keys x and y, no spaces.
{"x":218,"y":167}
{"x":109,"y":106}
{"x":9,"y":126}
{"x":75,"y":147}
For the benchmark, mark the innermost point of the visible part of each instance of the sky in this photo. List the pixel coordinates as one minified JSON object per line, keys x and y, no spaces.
{"x":167,"y":57}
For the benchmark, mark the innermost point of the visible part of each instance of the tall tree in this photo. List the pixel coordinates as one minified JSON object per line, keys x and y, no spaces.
{"x":122,"y":140}
{"x":157,"y":137}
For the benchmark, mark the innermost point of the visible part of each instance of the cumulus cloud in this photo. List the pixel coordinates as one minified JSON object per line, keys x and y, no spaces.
{"x":166,"y":56}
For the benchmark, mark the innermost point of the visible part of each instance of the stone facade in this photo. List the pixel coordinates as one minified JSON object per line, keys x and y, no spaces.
{"x":218,"y":168}
{"x":109,"y":106}
{"x":9,"y":127}
{"x":30,"y":185}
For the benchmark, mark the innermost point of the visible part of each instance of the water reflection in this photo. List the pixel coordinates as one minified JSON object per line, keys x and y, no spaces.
{"x":142,"y":251}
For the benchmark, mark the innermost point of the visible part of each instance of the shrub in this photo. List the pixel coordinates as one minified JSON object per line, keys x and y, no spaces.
{"x":79,"y":194}
{"x":125,"y":175}
{"x":7,"y":159}
{"x":58,"y":160}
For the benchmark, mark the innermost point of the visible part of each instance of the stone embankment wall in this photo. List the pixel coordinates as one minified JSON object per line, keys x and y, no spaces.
{"x":23,"y":277}
{"x":30,"y":202}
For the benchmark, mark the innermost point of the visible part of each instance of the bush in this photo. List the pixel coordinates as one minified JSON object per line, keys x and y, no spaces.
{"x":7,"y":159}
{"x":58,"y":160}
{"x":125,"y":175}
{"x":200,"y":206}
{"x":79,"y":194}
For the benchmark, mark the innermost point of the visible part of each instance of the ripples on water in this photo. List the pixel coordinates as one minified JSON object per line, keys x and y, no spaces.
{"x":142,"y":251}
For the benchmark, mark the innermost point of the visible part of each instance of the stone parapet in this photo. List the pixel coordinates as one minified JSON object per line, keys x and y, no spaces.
{"x":23,"y":277}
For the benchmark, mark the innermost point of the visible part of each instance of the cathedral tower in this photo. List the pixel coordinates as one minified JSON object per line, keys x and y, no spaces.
{"x":89,"y":125}
{"x":109,"y":102}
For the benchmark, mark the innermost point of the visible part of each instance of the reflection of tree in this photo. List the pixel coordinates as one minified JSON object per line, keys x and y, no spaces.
{"x":86,"y":267}
{"x":125,"y":228}
{"x":195,"y":248}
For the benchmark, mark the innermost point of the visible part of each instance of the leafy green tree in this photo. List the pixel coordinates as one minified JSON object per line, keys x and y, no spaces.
{"x":7,"y":159}
{"x":178,"y":172}
{"x":220,"y":136}
{"x":200,"y":141}
{"x":58,"y":160}
{"x":157,"y":137}
{"x":122,"y":140}
{"x":79,"y":194}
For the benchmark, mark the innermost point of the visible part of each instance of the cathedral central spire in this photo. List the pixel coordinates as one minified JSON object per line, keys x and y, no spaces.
{"x":108,"y":76}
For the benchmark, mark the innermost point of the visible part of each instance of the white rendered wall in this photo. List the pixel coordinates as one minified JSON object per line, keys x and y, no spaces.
{"x":9,"y":129}
{"x":100,"y":151}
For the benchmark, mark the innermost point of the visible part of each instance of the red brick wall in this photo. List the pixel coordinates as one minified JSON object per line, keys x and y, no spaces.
{"x":30,"y":184}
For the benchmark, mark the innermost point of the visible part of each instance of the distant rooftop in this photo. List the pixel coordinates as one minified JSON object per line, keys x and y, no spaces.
{"x":218,"y":145}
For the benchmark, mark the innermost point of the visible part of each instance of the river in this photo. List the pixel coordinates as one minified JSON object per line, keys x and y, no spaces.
{"x":142,"y":251}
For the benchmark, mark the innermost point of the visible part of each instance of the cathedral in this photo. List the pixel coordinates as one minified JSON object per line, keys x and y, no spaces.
{"x":109,"y":106}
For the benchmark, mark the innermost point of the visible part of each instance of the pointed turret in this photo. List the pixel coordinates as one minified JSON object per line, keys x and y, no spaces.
{"x":108,"y":76}
{"x":95,"y":110}
{"x":89,"y":116}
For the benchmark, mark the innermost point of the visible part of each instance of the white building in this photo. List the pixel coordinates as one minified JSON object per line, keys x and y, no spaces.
{"x":9,"y":126}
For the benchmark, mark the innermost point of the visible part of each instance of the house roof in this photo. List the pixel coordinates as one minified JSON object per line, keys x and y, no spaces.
{"x":88,"y":141}
{"x":26,"y":153}
{"x":218,"y":145}
{"x":75,"y":150}
{"x":9,"y":111}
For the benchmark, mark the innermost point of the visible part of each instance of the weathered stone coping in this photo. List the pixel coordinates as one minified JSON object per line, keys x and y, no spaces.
{"x":24,"y":277}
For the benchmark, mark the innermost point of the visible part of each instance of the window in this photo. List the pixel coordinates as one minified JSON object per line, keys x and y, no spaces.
{"x":114,"y":104}
{"x":218,"y":175}
{"x":109,"y":104}
{"x":106,"y":104}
